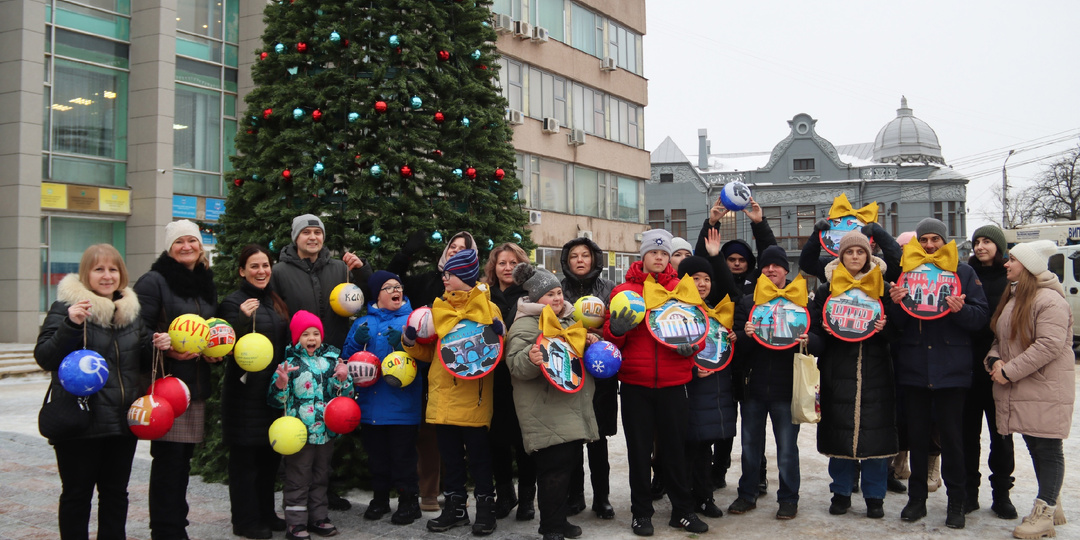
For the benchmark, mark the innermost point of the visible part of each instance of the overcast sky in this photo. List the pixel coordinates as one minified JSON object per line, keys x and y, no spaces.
{"x":987,"y":75}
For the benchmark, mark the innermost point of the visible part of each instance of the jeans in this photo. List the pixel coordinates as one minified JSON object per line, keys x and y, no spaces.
{"x":392,"y":457}
{"x":307,"y":474}
{"x":754,"y":413}
{"x":944,"y":409}
{"x":169,"y":473}
{"x":844,"y":475}
{"x":252,"y":473}
{"x":1049,"y":461}
{"x":454,"y":443}
{"x":86,"y":464}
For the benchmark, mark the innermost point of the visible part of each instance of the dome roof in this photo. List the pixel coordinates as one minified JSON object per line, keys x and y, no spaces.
{"x":906,"y":139}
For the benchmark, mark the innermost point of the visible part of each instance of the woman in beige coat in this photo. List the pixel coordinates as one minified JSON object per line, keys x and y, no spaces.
{"x":1032,"y":363}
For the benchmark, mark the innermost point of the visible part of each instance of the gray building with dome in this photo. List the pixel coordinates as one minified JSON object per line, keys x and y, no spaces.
{"x":903,"y":170}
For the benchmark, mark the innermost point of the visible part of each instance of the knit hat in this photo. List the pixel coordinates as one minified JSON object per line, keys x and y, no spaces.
{"x":905,"y":237}
{"x":854,"y":239}
{"x":464,"y":265}
{"x":678,"y":243}
{"x":776,"y":255}
{"x":301,"y":321}
{"x":177,"y":229}
{"x":931,"y":226}
{"x":300,"y":223}
{"x":655,"y":239}
{"x":992,"y":233}
{"x":736,"y":247}
{"x":694,"y":264}
{"x":1034,"y":255}
{"x":375,"y":282}
{"x":536,"y":281}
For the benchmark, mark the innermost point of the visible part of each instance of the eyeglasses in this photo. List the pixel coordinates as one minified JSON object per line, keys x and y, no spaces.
{"x":392,"y":289}
{"x":446,"y":274}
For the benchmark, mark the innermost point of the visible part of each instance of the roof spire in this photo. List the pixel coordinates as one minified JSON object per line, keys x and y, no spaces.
{"x":904,"y":110}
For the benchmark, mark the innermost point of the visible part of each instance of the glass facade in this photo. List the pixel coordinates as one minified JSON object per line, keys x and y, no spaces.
{"x":553,"y":185}
{"x":63,"y":241}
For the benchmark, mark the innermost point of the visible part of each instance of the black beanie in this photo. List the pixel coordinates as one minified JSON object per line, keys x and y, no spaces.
{"x":774,"y":255}
{"x":694,"y":264}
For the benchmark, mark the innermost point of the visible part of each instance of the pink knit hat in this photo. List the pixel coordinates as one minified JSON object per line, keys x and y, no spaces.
{"x":301,"y":321}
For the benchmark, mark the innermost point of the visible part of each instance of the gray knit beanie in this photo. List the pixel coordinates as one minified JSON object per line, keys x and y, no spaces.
{"x":931,"y":226}
{"x":536,"y":281}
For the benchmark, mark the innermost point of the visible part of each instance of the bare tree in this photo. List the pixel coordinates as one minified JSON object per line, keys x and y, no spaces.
{"x":1056,"y":193}
{"x":1022,"y":207}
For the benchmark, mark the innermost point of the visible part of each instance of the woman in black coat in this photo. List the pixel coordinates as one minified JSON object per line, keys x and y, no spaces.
{"x":245,"y":414}
{"x":96,"y":310}
{"x":179,"y":282}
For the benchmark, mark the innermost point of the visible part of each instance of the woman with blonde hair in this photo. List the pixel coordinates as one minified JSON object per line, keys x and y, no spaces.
{"x":1032,"y":363}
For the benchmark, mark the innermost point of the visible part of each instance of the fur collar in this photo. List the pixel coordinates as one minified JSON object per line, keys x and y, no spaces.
{"x":525,"y":308}
{"x":876,"y":261}
{"x":104,"y":312}
{"x":197,"y":283}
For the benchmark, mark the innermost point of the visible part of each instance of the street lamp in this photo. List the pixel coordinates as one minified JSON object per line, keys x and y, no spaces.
{"x":1005,"y":192}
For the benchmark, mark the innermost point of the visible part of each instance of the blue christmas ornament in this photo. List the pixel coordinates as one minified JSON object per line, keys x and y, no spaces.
{"x":376,"y":171}
{"x":374,"y":240}
{"x":515,"y":196}
{"x":83,"y":372}
{"x":457,"y":173}
{"x":517,"y":237}
{"x":416,"y":102}
{"x":335,"y":37}
{"x":475,"y":54}
{"x":603,"y":359}
{"x":394,"y":40}
{"x":279,"y":48}
{"x":273,"y":248}
{"x":436,"y":236}
{"x":255,"y":177}
{"x":297,"y":113}
{"x":353,"y":117}
{"x":465,"y":121}
{"x":292,"y":70}
{"x":491,"y":244}
{"x":318,"y":168}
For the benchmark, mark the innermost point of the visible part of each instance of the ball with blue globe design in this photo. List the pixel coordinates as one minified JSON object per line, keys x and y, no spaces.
{"x":83,"y":372}
{"x":603,"y":359}
{"x":735,"y":196}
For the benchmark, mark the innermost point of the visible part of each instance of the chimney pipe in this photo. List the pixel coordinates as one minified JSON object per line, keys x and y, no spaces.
{"x":703,"y":149}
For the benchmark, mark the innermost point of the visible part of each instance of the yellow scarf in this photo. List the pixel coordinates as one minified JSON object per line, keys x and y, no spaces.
{"x":474,"y":305}
{"x":795,"y":291}
{"x":915,"y":256}
{"x":655,"y":293}
{"x":872,"y":283}
{"x":574,"y":335}
{"x":723,"y":312}
{"x":841,"y":207}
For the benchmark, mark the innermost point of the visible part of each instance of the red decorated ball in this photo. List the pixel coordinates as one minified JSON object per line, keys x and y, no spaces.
{"x":316,"y":115}
{"x":470,"y":172}
{"x":238,"y":182}
{"x":406,"y":171}
{"x":444,"y":56}
{"x":174,"y":391}
{"x":364,"y":368}
{"x":150,"y":418}
{"x":287,"y":174}
{"x":301,"y":47}
{"x":267,"y":112}
{"x":380,"y":106}
{"x":500,"y":174}
{"x":263,"y":56}
{"x":341,"y":415}
{"x":440,"y":117}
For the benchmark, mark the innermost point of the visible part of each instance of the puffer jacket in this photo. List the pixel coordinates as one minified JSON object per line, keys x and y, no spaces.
{"x":858,"y":391}
{"x":306,"y":285}
{"x":380,"y":403}
{"x":245,"y":415}
{"x":712,"y":407}
{"x":812,"y":261}
{"x":936,"y":354}
{"x":113,"y":330}
{"x":763,"y":238}
{"x":310,"y":388}
{"x":1039,"y":399}
{"x":645,"y":361}
{"x":453,"y":401}
{"x":168,"y":291}
{"x":548,"y":416}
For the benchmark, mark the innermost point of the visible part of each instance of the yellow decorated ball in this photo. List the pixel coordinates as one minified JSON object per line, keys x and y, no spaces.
{"x":346,"y":299}
{"x":288,"y":435}
{"x":589,"y":310}
{"x":253,"y":352}
{"x":188,"y":333}
{"x":220,"y":339}
{"x":631,"y":300}
{"x":398,"y":369}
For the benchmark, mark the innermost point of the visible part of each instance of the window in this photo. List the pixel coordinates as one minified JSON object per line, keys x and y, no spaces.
{"x":586,"y":192}
{"x":624,"y":126}
{"x":678,"y":223}
{"x":772,"y":214}
{"x":587,"y":31}
{"x":894,"y":217}
{"x":806,"y":164}
{"x":553,"y":195}
{"x":197,"y":141}
{"x":806,"y":218}
{"x":511,"y":8}
{"x":667,"y":178}
{"x":656,"y":219}
{"x":547,"y":96}
{"x":512,"y":83}
{"x":524,"y":194}
{"x":63,"y":241}
{"x":1056,"y":264}
{"x":946,"y":212}
{"x":628,"y":200}
{"x":549,"y":14}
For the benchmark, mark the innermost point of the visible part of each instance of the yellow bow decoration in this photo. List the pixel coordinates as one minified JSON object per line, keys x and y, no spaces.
{"x":474,"y":306}
{"x":574,"y":334}
{"x":795,"y":291}
{"x":872,"y":283}
{"x":945,"y":258}
{"x":655,"y":293}
{"x":723,"y":312}
{"x":841,"y":207}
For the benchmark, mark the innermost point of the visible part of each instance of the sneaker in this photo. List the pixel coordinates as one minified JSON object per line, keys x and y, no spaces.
{"x":788,"y":510}
{"x":840,"y":504}
{"x":708,"y":508}
{"x":689,"y":522}
{"x":323,"y":527}
{"x":297,"y":532}
{"x":642,"y":526}
{"x":741,"y":506}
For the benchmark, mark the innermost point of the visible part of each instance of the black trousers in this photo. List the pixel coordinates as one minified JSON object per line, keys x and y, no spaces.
{"x":392,"y":457}
{"x":699,"y":456}
{"x":659,"y":413}
{"x":86,"y":464}
{"x":465,"y":450}
{"x":169,"y":472}
{"x":252,"y":472}
{"x":979,"y":404}
{"x":599,"y":470}
{"x":554,"y":468}
{"x":506,"y":446}
{"x":944,"y":408}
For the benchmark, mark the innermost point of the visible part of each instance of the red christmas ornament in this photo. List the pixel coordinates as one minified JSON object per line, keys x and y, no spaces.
{"x":345,"y":42}
{"x":316,"y":115}
{"x":287,"y":174}
{"x":263,"y":56}
{"x":150,"y":417}
{"x":438,"y":153}
{"x":406,"y":171}
{"x":439,"y":117}
{"x":301,"y":47}
{"x":398,"y":50}
{"x":341,"y":415}
{"x":174,"y":390}
{"x":499,"y":174}
{"x":380,"y":106}
{"x":238,"y":182}
{"x":470,"y":172}
{"x":251,"y":132}
{"x":266,"y":113}
{"x":482,"y":66}
{"x":443,"y":56}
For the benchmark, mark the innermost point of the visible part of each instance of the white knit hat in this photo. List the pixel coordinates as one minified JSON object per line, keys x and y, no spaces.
{"x":1033,"y":255}
{"x":678,"y":243}
{"x":176,"y":229}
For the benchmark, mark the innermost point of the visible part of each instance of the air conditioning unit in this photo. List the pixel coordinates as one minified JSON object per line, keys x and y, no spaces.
{"x":540,"y":34}
{"x":515,"y":117}
{"x":608,"y":64}
{"x":551,"y":125}
{"x":503,"y":23}
{"x":576,"y":137}
{"x":589,"y":235}
{"x":534,"y":217}
{"x":522,"y":30}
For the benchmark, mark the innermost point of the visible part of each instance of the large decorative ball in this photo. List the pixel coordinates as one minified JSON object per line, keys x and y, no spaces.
{"x":220,"y":339}
{"x":175,"y":391}
{"x":590,"y":311}
{"x":189,"y":333}
{"x":346,"y":299}
{"x":301,"y":47}
{"x":603,"y":359}
{"x":253,"y":352}
{"x":631,"y":300}
{"x":263,"y":55}
{"x":341,"y":415}
{"x":406,"y":171}
{"x":735,"y":196}
{"x":457,"y":173}
{"x":470,"y":172}
{"x":465,"y":121}
{"x":267,"y":113}
{"x":238,"y":182}
{"x":150,"y":418}
{"x":83,"y":372}
{"x":420,"y":319}
{"x":398,"y":369}
{"x":286,"y":174}
{"x":318,"y":167}
{"x":374,"y":240}
{"x":500,"y":174}
{"x":364,"y":368}
{"x":288,"y":435}
{"x":436,"y":237}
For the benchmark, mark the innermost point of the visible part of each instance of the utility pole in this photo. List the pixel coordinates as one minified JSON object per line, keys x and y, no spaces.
{"x":1005,"y":192}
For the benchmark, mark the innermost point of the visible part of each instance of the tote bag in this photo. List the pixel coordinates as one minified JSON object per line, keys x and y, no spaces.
{"x":806,"y":389}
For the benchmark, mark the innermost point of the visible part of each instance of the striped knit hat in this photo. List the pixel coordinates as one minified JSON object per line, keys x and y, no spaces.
{"x":465,"y":266}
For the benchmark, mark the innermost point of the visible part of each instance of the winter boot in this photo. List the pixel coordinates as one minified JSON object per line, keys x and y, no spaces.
{"x":933,"y":474}
{"x":506,"y":500}
{"x":914,"y":510}
{"x":485,"y":515}
{"x":1003,"y":506}
{"x":525,"y":510}
{"x":379,"y":505}
{"x":954,"y":514}
{"x":1059,"y":514}
{"x":602,"y":507}
{"x":575,"y":504}
{"x":454,"y":513}
{"x":408,"y":509}
{"x":875,"y":508}
{"x":901,"y":470}
{"x":1038,"y":524}
{"x":840,"y":504}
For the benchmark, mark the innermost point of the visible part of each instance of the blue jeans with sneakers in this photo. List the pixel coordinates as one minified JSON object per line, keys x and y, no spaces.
{"x":754,"y":413}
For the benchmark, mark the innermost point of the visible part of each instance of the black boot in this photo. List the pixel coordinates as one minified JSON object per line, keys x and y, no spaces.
{"x":506,"y":500}
{"x":454,"y":513}
{"x":575,"y":504}
{"x":971,"y":502}
{"x":485,"y":515}
{"x":914,"y":511}
{"x":379,"y":506}
{"x":526,"y":495}
{"x":408,"y":509}
{"x":840,"y":504}
{"x":602,"y":507}
{"x":1003,"y":506}
{"x":875,"y":508}
{"x":954,"y":517}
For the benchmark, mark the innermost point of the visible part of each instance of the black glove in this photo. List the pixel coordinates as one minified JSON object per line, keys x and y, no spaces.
{"x":498,"y":326}
{"x":410,"y":334}
{"x":416,"y":242}
{"x":873,"y":230}
{"x":622,"y":322}
{"x":822,"y":225}
{"x":685,"y":349}
{"x":361,"y":335}
{"x":393,"y":336}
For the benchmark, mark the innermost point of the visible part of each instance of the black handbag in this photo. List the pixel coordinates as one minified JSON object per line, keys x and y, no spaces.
{"x":63,"y":416}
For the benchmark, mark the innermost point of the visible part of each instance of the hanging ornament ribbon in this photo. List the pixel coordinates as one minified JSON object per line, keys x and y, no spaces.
{"x":574,"y":335}
{"x":655,"y":293}
{"x":475,"y":306}
{"x":794,"y":291}
{"x":872,"y":283}
{"x":723,"y":312}
{"x":841,"y":207}
{"x":915,"y":256}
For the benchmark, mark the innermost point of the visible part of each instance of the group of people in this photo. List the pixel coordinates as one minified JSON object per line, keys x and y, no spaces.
{"x":914,"y":390}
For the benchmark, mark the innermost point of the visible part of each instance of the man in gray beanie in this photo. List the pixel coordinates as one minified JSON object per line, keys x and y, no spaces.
{"x":930,"y":226}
